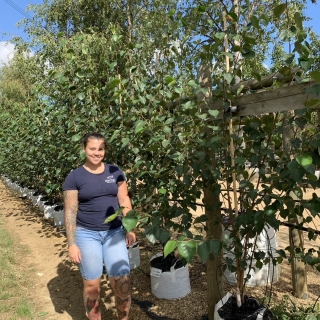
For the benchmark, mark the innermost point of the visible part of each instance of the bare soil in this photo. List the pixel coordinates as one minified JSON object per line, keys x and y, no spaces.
{"x":56,"y":285}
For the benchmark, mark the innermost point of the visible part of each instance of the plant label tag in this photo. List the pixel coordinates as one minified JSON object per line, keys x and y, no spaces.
{"x":155,"y":272}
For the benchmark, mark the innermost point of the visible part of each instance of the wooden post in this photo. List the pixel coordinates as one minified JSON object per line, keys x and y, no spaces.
{"x":212,"y":203}
{"x":298,"y":268}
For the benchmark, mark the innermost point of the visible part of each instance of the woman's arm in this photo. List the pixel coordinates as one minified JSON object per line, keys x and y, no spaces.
{"x":70,"y":218}
{"x":124,"y":201}
{"x":123,"y":197}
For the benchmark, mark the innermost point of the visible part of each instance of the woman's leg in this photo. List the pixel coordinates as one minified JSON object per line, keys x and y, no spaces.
{"x":122,"y":295}
{"x":116,"y":260}
{"x":91,"y":297}
{"x":90,"y":244}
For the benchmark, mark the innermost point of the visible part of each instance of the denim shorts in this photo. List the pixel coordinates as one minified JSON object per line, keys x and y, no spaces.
{"x":102,"y":247}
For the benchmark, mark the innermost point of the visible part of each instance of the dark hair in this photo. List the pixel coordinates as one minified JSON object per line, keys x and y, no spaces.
{"x":92,"y":135}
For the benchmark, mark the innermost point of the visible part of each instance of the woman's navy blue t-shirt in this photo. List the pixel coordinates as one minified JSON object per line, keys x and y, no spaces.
{"x":97,"y":196}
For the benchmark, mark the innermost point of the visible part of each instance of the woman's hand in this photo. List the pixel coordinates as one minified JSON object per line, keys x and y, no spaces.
{"x":130,"y":238}
{"x":74,"y":254}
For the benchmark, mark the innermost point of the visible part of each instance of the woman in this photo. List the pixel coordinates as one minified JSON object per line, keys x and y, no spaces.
{"x":93,"y":192}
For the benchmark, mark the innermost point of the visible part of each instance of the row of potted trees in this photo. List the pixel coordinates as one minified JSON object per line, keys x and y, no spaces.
{"x":169,"y":276}
{"x":53,"y":213}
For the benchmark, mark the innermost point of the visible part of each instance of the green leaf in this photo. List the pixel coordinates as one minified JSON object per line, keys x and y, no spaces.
{"x":140,"y":125}
{"x":169,"y":121}
{"x":232,"y":16}
{"x":199,"y":219}
{"x":214,"y":113}
{"x":311,"y":317}
{"x":169,"y":80}
{"x":129,"y":222}
{"x":192,"y":83}
{"x":298,"y":20}
{"x":257,"y":76}
{"x":114,"y":215}
{"x":255,"y":22}
{"x":300,"y":48}
{"x":165,"y":143}
{"x":171,"y":12}
{"x":248,"y":53}
{"x":313,"y":103}
{"x":178,"y":90}
{"x":164,"y":236}
{"x":187,"y":249}
{"x":293,"y":165}
{"x":201,"y":8}
{"x":215,"y":246}
{"x":281,"y":253}
{"x":290,"y":58}
{"x":315,"y":75}
{"x":113,"y":83}
{"x":259,"y":264}
{"x":297,"y":175}
{"x":169,"y":247}
{"x":116,"y":37}
{"x":76,"y":138}
{"x":228,"y":54}
{"x":203,"y":251}
{"x":201,"y":116}
{"x":220,"y":35}
{"x":184,"y":22}
{"x":162,"y":191}
{"x":124,"y":141}
{"x":81,"y":96}
{"x":314,"y":90}
{"x":279,"y":10}
{"x":305,"y":63}
{"x":152,"y":232}
{"x":228,"y":77}
{"x":306,"y":162}
{"x":80,"y":73}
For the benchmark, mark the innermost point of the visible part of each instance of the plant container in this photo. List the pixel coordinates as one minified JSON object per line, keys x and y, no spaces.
{"x":265,"y":242}
{"x":58,"y":216}
{"x":134,"y":255}
{"x":169,"y":278}
{"x":251,"y":309}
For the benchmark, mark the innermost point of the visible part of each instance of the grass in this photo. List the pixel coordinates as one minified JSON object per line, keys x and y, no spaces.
{"x":14,"y":285}
{"x":289,"y":310}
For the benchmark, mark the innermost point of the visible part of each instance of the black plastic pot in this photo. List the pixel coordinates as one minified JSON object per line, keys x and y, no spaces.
{"x":251,"y":309}
{"x":165,"y":264}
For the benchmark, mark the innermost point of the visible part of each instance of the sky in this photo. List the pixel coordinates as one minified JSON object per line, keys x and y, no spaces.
{"x":11,"y":14}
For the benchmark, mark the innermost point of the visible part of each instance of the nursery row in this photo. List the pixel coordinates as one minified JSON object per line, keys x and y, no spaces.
{"x":54,"y":214}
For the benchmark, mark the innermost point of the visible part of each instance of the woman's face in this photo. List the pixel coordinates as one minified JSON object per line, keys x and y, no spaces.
{"x":94,"y":151}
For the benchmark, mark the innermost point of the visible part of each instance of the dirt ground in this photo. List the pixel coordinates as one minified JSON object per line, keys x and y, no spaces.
{"x":56,"y":284}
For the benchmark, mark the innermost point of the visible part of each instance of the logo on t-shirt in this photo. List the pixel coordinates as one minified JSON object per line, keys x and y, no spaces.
{"x":110,"y":179}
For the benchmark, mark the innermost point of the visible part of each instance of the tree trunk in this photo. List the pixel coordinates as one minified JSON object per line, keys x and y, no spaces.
{"x":212,"y":204}
{"x":298,"y":267}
